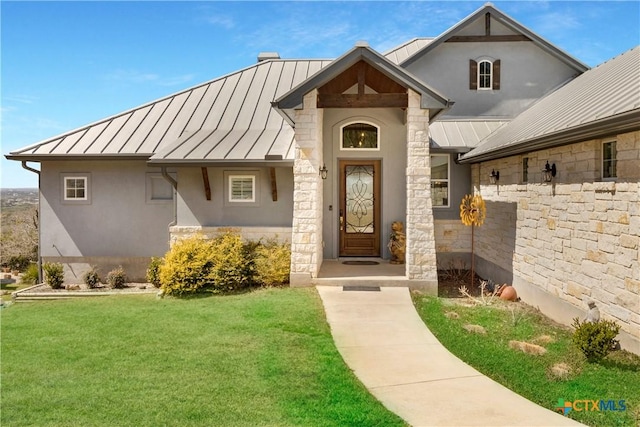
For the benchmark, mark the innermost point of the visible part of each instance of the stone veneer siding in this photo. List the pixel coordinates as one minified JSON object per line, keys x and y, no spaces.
{"x":453,"y":243}
{"x":421,"y":247}
{"x":575,"y":238}
{"x":306,"y":236}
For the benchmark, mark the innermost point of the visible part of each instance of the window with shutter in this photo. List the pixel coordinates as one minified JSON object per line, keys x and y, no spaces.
{"x":473,"y":75}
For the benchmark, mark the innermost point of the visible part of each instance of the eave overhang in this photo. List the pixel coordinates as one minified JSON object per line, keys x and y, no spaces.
{"x":613,"y":125}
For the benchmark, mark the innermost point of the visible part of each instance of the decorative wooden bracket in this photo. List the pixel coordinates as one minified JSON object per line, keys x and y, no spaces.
{"x":274,"y":186}
{"x":205,"y":180}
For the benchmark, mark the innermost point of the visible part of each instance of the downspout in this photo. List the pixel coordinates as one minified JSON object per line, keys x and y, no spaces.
{"x":174,"y":184}
{"x":39,"y":261}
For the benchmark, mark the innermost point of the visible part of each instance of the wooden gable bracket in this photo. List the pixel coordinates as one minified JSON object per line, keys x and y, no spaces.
{"x":205,"y":180}
{"x":274,"y":186}
{"x":487,"y":37}
{"x":389,"y":93}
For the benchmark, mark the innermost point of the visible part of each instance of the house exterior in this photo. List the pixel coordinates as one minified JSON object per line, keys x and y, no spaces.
{"x":326,"y":154}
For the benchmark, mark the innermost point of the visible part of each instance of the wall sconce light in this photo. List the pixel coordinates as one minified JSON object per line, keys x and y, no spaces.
{"x":549,"y":172}
{"x":324,"y":171}
{"x":494,"y":176}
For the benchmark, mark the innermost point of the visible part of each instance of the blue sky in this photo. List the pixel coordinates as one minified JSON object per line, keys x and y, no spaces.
{"x":66,"y":64}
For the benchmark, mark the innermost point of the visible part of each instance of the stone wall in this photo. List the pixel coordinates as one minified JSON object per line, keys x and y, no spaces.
{"x":575,"y":238}
{"x":421,"y":250}
{"x":453,"y":243}
{"x":306,"y":236}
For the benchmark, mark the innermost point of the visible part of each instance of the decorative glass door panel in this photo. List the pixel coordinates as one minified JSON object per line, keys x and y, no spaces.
{"x":359,"y":208}
{"x":359,"y":199}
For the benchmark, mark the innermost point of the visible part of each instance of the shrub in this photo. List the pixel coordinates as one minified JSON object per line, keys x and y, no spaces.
{"x":53,"y":274}
{"x":117,"y":278}
{"x":272,"y":263}
{"x":153,"y":271}
{"x":19,"y":262}
{"x":195,"y":264}
{"x":91,"y":277}
{"x":232,"y":267}
{"x":30,"y":276}
{"x":595,"y":339}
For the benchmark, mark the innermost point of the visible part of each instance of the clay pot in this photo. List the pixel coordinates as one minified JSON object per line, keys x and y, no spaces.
{"x":508,"y":293}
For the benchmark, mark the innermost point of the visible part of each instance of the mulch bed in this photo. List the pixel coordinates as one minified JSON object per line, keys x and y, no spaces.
{"x":449,"y":284}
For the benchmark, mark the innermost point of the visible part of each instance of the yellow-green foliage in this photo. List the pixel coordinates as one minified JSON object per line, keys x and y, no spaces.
{"x":196,"y":264}
{"x":272,"y":263}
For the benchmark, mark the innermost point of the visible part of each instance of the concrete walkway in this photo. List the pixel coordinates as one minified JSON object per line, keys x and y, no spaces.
{"x":388,"y":347}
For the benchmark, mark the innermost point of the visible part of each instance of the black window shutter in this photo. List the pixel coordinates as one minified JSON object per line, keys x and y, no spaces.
{"x":473,"y":75}
{"x":496,"y":74}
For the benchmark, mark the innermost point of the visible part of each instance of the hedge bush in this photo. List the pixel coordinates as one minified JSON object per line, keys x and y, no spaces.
{"x":272,"y":263}
{"x":595,"y":339}
{"x":53,"y":274}
{"x":91,"y":277}
{"x":31,"y":275}
{"x":153,"y":271}
{"x":117,"y":278}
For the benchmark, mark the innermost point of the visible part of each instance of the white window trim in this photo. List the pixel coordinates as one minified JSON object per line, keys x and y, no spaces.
{"x":86,"y":177}
{"x":610,"y":178}
{"x":448,"y":180}
{"x":360,"y":149}
{"x":228,"y":179}
{"x":490,"y":74}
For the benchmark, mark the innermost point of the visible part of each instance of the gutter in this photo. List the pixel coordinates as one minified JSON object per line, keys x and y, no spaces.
{"x":37,"y":172}
{"x":174,"y":184}
{"x":627,"y":122}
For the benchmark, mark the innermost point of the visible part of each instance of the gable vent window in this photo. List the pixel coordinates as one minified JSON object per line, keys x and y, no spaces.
{"x":242,"y":188}
{"x":484,"y":75}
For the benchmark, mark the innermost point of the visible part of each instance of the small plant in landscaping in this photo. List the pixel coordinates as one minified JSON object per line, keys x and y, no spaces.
{"x":91,"y":278}
{"x":153,"y":271}
{"x":595,"y":339}
{"x":53,"y":274}
{"x":19,"y":262}
{"x":272,"y":263}
{"x":117,"y":278}
{"x":30,"y":276}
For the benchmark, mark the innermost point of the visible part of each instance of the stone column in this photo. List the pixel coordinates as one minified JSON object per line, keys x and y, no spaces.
{"x":421,"y":247}
{"x":306,"y":235}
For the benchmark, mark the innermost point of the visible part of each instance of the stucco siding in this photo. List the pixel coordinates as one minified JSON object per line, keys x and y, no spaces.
{"x":527,"y":73}
{"x":117,"y":221}
{"x":576,"y":238}
{"x":195,"y":210}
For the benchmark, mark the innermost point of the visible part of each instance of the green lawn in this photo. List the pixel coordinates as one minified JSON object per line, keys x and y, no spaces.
{"x":617,"y":377}
{"x":264,"y":358}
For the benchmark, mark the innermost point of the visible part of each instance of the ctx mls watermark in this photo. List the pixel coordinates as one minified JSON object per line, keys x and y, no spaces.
{"x":566,"y":406}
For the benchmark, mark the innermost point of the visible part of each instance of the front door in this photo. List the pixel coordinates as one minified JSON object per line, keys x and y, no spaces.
{"x":360,"y":208}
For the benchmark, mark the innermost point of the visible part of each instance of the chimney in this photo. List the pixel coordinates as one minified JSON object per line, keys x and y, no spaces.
{"x":265,"y":56}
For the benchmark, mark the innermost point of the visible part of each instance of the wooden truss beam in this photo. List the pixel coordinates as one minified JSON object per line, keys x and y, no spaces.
{"x":377,"y":100}
{"x":274,"y":185}
{"x":205,"y":180}
{"x":489,"y":39}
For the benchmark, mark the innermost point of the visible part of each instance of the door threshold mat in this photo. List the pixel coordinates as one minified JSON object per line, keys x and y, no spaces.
{"x":360,"y":262}
{"x":361,"y":288}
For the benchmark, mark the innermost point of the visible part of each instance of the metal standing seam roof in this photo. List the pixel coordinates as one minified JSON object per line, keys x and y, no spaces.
{"x":592,"y":104}
{"x":461,"y":133}
{"x":400,"y":53}
{"x":229,"y":118}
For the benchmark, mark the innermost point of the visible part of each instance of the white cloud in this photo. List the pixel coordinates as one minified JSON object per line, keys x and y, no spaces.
{"x":220,"y":20}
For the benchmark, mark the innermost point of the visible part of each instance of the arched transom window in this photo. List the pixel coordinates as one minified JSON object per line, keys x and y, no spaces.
{"x":359,"y":136}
